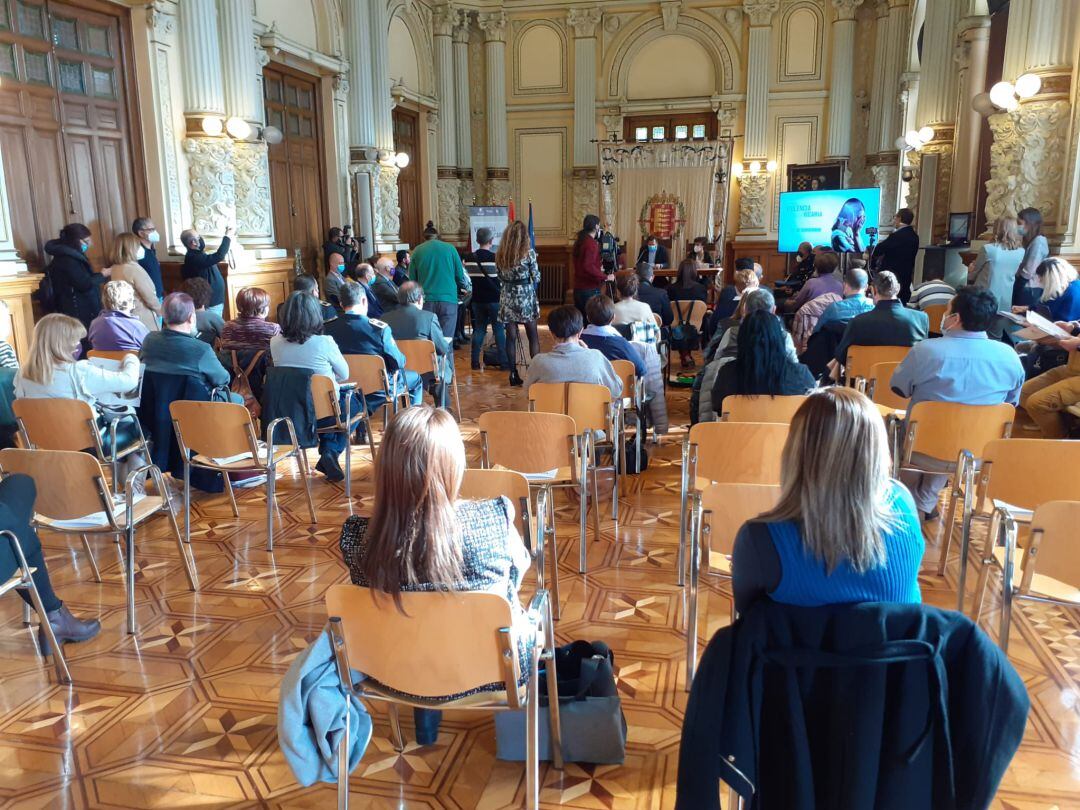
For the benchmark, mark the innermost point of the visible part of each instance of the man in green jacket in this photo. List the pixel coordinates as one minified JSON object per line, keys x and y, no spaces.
{"x":436,"y":266}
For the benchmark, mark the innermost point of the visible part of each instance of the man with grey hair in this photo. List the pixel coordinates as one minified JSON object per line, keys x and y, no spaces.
{"x":889,"y":323}
{"x":176,"y":349}
{"x":656,"y":298}
{"x":383,"y":285}
{"x":199,"y":264}
{"x":410,"y":321}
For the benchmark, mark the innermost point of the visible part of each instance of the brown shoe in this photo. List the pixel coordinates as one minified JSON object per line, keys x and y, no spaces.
{"x":66,"y":628}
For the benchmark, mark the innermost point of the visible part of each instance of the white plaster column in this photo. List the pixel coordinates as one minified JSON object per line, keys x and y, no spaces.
{"x":168,"y":184}
{"x":387,"y":207}
{"x":1031,"y":150}
{"x":892,"y":47}
{"x":493,"y":24}
{"x":363,"y":171}
{"x":878,"y":91}
{"x":584,"y":22}
{"x":340,"y":171}
{"x":841,"y":80}
{"x":201,"y":59}
{"x":755,"y":140}
{"x":463,"y":119}
{"x":973,"y":50}
{"x":238,"y":56}
{"x":444,"y":19}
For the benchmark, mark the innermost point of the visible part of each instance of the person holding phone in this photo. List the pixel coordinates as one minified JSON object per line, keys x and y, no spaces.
{"x":199,"y":264}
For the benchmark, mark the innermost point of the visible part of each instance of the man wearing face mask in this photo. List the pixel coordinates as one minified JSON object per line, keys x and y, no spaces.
{"x":176,"y":349}
{"x":964,"y":366}
{"x":198,"y":264}
{"x":76,"y":286}
{"x":148,"y":234}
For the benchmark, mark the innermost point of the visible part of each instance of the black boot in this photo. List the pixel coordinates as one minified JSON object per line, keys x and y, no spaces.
{"x":328,"y":465}
{"x":515,"y":378}
{"x":66,"y":628}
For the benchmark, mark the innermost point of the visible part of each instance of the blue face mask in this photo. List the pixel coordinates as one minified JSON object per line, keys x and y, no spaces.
{"x":84,"y":247}
{"x":341,"y":269}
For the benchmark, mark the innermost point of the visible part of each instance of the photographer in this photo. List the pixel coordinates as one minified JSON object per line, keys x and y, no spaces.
{"x":589,"y":270}
{"x":340,"y":241}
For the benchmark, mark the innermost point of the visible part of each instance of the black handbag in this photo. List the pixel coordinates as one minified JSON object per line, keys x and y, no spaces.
{"x":590,"y":710}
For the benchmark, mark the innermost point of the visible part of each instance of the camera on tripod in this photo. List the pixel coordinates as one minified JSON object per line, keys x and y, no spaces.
{"x":609,"y":250}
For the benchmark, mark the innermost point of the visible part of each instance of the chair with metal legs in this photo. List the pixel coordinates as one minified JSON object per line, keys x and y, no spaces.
{"x":421,"y":357}
{"x":717,"y":514}
{"x":23,"y":580}
{"x":328,"y":406}
{"x":74,"y":498}
{"x":221,"y":437}
{"x":633,"y":401}
{"x":453,"y":643}
{"x":779,"y":410}
{"x":861,"y":359}
{"x":726,"y":452}
{"x":1049,"y":566}
{"x":368,"y":372}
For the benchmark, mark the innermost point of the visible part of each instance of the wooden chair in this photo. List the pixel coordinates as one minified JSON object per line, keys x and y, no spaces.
{"x":941,"y":432}
{"x":633,"y":402}
{"x":445,"y":644}
{"x":421,"y":357}
{"x":1051,"y":545}
{"x":695,"y":312}
{"x":717,"y":514}
{"x":778,"y":410}
{"x":484,"y":485}
{"x":861,"y":359}
{"x":72,"y":424}
{"x":935,"y":312}
{"x":104,"y":354}
{"x":221,"y":436}
{"x":368,"y":372}
{"x":23,"y":580}
{"x":663,"y":348}
{"x":591,"y":408}
{"x":545,"y":448}
{"x":328,"y":406}
{"x":726,"y":452}
{"x":879,"y":390}
{"x":73,"y":498}
{"x":1012,"y":473}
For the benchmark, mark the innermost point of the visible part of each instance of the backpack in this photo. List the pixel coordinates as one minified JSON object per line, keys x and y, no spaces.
{"x":684,"y":335}
{"x":241,"y":384}
{"x":46,"y":293}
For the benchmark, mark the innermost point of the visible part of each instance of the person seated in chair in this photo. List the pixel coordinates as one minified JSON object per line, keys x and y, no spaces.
{"x":860,"y":543}
{"x":302,"y":344}
{"x":116,"y":328}
{"x":571,"y":360}
{"x":653,"y":252}
{"x":177,"y":350}
{"x":364,"y":275}
{"x":208,"y":323}
{"x":656,"y":298}
{"x":308,"y":284}
{"x":383,"y":285}
{"x":603,"y":337}
{"x":423,"y":537}
{"x":356,"y":333}
{"x":410,"y":321}
{"x":17,"y":495}
{"x":250,"y":330}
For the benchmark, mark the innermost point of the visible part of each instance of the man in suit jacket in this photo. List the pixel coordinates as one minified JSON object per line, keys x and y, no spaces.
{"x":410,"y":321}
{"x":355,"y":333}
{"x":897,"y":252}
{"x":889,"y":323}
{"x":656,"y":298}
{"x":654,"y":253}
{"x":198,"y":264}
{"x":383,"y":286}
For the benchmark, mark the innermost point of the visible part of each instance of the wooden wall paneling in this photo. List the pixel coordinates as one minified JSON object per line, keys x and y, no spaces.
{"x":407,"y":140}
{"x":273,"y":275}
{"x":764,"y":252}
{"x":16,"y":292}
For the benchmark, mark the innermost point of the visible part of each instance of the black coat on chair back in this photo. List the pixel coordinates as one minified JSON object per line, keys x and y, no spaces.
{"x":159,"y":391}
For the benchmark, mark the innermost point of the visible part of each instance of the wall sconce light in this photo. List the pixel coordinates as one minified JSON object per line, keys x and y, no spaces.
{"x":737,"y":168}
{"x":908,"y":173}
{"x":212,"y":126}
{"x":238,"y":128}
{"x":1028,"y":85}
{"x":770,"y":166}
{"x":272,"y":135}
{"x":917,"y":138}
{"x":755,"y":166}
{"x":401,"y":160}
{"x":1003,"y":96}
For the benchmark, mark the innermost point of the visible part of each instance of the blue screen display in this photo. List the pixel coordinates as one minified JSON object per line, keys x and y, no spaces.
{"x":838,"y":218}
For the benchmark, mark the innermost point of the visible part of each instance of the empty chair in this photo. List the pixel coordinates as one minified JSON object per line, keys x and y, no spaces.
{"x":764,"y":408}
{"x":72,"y":424}
{"x":633,"y":402}
{"x":368,"y":372}
{"x":221,"y":437}
{"x":421,"y":357}
{"x":1022,"y":473}
{"x":947,"y":439}
{"x":879,"y":390}
{"x":861,"y":359}
{"x":328,"y":406}
{"x":444,"y":644}
{"x":73,"y":498}
{"x":1049,"y":566}
{"x":728,"y":452}
{"x":717,"y":513}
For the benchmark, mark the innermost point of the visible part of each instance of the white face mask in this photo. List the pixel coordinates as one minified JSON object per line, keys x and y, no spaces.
{"x":140,"y":255}
{"x":153,"y":237}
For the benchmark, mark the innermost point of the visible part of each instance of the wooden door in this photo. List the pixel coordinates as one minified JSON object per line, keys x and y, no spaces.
{"x":407,"y":140}
{"x":296,"y":188}
{"x":65,"y":122}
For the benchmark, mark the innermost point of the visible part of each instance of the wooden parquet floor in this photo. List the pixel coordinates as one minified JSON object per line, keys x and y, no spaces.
{"x":183,"y":714}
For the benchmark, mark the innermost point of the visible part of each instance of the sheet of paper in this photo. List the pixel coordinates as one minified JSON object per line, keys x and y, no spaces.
{"x":1048,"y":327}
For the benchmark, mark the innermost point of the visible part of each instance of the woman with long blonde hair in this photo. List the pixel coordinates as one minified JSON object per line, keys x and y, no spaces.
{"x":995,"y":267}
{"x":422,"y":537}
{"x":843,"y":529}
{"x":518,"y":276}
{"x":128,"y":251}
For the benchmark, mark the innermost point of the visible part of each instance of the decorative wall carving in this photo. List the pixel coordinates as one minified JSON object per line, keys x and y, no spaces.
{"x":251,"y":170}
{"x":670,"y":10}
{"x":161,"y":20}
{"x":753,"y":197}
{"x":886,"y":177}
{"x":449,"y":195}
{"x":213,"y":184}
{"x":387,"y":207}
{"x":1027,"y":159}
{"x":585,"y":194}
{"x":585,"y":20}
{"x":497,"y":191}
{"x":760,"y":11}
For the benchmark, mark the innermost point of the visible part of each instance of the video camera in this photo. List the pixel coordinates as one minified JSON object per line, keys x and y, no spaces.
{"x":346,"y":231}
{"x":609,"y":250}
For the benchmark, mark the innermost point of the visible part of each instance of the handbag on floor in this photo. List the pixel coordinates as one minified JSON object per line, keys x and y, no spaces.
{"x":590,"y":710}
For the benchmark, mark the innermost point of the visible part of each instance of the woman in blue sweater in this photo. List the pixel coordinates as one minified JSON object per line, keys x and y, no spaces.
{"x":843,"y":531}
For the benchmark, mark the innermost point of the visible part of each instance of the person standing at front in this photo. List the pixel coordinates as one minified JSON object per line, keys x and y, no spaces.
{"x":436,"y":266}
{"x":589,"y":273}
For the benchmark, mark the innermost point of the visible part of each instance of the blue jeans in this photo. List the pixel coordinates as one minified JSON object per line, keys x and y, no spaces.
{"x":485,"y":315}
{"x":334,"y":443}
{"x":409,"y":380}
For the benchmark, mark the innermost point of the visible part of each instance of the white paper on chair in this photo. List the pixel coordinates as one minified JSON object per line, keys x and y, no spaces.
{"x":1017,"y":512}
{"x":97,"y":519}
{"x":549,"y":475}
{"x":226,"y":460}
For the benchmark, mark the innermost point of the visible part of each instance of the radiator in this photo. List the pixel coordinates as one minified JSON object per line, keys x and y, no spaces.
{"x":552,"y":282}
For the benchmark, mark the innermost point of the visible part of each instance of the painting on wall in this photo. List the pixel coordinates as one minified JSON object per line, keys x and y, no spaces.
{"x":816,"y":176}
